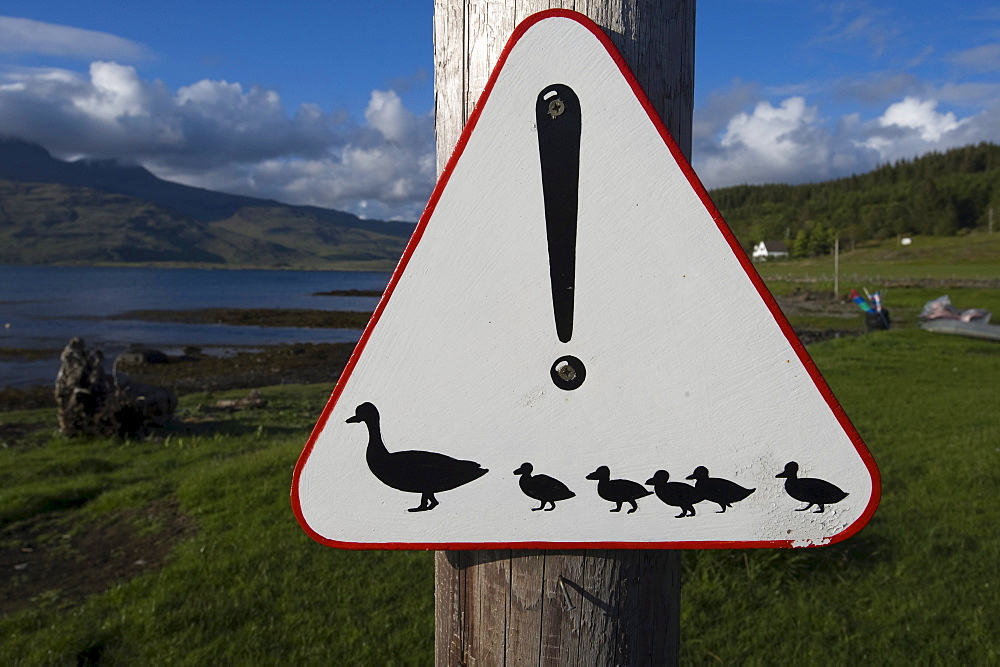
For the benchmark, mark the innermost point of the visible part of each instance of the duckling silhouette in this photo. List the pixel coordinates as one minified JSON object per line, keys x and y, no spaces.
{"x":677,"y":494}
{"x":720,"y":491}
{"x":618,"y":491}
{"x":542,"y":488}
{"x":425,"y":473}
{"x":809,"y":489}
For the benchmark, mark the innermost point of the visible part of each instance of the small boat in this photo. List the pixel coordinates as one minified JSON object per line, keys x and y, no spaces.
{"x":974,"y":329}
{"x":940,"y":316}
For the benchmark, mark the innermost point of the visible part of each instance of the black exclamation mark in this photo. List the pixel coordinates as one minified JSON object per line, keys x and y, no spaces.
{"x":557,"y":116}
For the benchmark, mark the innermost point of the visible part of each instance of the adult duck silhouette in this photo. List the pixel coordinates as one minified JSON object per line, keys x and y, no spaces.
{"x":543,"y":488}
{"x":677,"y":494}
{"x":718,"y":490}
{"x":618,"y":491}
{"x":809,"y":489}
{"x":425,"y":473}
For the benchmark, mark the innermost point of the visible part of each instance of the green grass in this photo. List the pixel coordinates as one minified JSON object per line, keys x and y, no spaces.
{"x":918,"y":585}
{"x":249,"y":588}
{"x":966,"y":268}
{"x":946,"y":259}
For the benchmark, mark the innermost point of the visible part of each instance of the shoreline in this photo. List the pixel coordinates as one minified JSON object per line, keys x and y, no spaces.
{"x":308,"y":318}
{"x":288,"y":363}
{"x":295,"y":363}
{"x":358,"y":266}
{"x":308,"y":363}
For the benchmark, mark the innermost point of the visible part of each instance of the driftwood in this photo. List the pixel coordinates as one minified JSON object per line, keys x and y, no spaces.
{"x":92,"y":402}
{"x":251,"y":401}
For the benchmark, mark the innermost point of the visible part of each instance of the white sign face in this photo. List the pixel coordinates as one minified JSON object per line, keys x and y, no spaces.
{"x":574,"y":351}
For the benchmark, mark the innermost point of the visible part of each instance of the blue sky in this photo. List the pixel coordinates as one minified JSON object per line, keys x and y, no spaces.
{"x":331,"y":103}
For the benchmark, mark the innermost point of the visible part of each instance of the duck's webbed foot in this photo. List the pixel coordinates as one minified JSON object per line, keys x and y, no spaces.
{"x":634,"y":506}
{"x":723,"y":510}
{"x":803,"y":509}
{"x":427,"y":502}
{"x":618,"y":508}
{"x":820,"y":510}
{"x":549,"y":509}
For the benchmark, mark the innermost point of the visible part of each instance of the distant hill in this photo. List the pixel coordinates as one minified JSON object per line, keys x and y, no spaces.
{"x":938,"y":194}
{"x":87,"y":211}
{"x":98,"y":211}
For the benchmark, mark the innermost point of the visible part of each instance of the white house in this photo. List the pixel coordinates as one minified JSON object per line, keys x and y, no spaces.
{"x":766,"y":250}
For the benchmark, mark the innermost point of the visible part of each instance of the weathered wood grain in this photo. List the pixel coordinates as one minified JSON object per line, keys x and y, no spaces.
{"x":656,"y":38}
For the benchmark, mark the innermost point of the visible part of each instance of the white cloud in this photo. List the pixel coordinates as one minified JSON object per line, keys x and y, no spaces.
{"x":793,"y":143}
{"x":772,"y":132}
{"x":223,"y":135}
{"x":115,"y":91}
{"x":220,"y":135}
{"x":768,"y":144}
{"x":386,"y":114}
{"x":920,"y":115}
{"x":19,"y":35}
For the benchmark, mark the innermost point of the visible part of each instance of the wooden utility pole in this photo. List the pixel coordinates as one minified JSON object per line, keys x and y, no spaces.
{"x":587,"y":607}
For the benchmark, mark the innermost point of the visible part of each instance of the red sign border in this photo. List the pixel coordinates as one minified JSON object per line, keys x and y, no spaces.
{"x":738,"y":251}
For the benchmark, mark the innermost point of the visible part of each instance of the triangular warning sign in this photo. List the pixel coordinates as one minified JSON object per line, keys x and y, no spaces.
{"x":572,"y":300}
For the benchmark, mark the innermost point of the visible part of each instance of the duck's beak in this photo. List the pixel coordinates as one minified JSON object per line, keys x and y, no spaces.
{"x":353,"y":420}
{"x":691,"y":476}
{"x":650,"y":481}
{"x":781,"y":474}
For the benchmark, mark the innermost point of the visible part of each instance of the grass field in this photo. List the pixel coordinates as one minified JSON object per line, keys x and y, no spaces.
{"x":186,"y":552}
{"x":942,"y":259}
{"x":244,"y":586}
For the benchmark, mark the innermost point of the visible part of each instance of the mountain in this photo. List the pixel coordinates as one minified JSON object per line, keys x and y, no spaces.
{"x":99,"y":211}
{"x":938,"y":194}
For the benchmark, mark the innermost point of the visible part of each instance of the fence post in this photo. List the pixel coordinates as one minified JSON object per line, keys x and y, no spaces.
{"x":587,"y":607}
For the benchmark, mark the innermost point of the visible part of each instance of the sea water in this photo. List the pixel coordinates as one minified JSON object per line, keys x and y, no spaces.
{"x":43,"y":307}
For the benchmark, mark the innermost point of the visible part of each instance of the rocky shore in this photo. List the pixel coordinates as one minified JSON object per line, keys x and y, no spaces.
{"x":309,"y":363}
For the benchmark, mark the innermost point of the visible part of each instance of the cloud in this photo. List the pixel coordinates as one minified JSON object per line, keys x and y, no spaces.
{"x":405,"y":84}
{"x":385,"y":169}
{"x":852,"y":23}
{"x":878,"y":88}
{"x":985,"y":58}
{"x":792,"y":142}
{"x":220,"y":135}
{"x":922,"y":116}
{"x":768,"y":144}
{"x":19,"y":35}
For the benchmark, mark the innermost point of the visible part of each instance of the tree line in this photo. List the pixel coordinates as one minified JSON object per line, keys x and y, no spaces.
{"x":936,"y":194}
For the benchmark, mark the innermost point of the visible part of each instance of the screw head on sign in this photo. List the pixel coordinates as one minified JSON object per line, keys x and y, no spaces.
{"x":568,"y":373}
{"x":556,"y":107}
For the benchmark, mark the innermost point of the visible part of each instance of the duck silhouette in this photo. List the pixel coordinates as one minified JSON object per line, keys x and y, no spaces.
{"x":677,"y":494}
{"x":425,"y":473}
{"x":542,"y":488}
{"x":809,"y":489}
{"x":720,"y":491}
{"x":618,"y":491}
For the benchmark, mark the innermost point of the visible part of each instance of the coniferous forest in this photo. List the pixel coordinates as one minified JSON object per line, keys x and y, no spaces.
{"x":936,"y":194}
